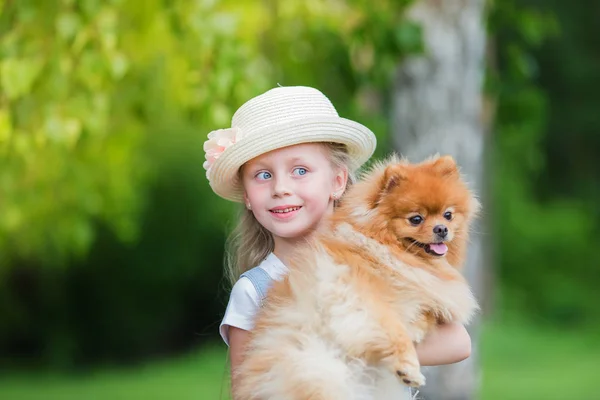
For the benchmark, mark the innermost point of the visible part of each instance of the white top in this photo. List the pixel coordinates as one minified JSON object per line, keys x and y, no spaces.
{"x":244,"y":300}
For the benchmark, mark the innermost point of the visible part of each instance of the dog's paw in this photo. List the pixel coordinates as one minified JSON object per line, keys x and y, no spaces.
{"x":410,"y":374}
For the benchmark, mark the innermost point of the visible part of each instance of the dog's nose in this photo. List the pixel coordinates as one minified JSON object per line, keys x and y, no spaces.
{"x":440,"y":230}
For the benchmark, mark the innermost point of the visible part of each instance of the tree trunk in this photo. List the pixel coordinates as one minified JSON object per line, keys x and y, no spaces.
{"x":438,"y":108}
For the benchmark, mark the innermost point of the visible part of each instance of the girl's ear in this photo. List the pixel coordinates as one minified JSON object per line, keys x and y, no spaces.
{"x":247,"y":201}
{"x":340,"y":180}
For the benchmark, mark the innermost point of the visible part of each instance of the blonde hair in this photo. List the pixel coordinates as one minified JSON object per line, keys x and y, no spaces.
{"x":249,"y":243}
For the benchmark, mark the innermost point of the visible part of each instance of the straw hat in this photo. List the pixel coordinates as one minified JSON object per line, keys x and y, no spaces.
{"x":278,"y":118}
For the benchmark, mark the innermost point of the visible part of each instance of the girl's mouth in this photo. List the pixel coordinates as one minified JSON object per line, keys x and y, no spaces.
{"x":280,"y":210}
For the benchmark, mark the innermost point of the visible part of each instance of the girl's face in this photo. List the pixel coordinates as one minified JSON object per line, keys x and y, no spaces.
{"x":290,"y":189}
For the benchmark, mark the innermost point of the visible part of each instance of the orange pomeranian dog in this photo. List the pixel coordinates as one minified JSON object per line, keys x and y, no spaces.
{"x":374,"y":279}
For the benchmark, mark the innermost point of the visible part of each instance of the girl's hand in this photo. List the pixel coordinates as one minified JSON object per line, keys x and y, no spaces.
{"x":446,"y":344}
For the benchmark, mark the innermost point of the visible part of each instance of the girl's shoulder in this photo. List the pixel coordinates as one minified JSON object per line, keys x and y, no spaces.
{"x":273,"y":267}
{"x":261,"y":276}
{"x":260,"y":280}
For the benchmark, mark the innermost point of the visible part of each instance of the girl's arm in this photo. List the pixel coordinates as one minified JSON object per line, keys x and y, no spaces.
{"x":447,"y":344}
{"x":237,"y":343}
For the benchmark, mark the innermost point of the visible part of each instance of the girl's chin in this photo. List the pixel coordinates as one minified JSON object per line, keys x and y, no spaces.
{"x":292,"y":234}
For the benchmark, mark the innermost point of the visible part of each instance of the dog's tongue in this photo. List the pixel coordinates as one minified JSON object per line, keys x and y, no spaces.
{"x":438,"y":248}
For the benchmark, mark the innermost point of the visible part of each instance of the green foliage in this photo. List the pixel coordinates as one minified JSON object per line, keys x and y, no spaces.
{"x":111,"y":237}
{"x":86,"y":85}
{"x":544,"y":260}
{"x":61,"y":66}
{"x":572,"y":78}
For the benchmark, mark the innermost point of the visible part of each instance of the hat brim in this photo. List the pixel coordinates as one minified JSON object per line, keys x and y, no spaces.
{"x":359,"y":140}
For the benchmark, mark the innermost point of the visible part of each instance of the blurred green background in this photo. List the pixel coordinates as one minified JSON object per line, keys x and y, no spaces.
{"x":111,"y":242}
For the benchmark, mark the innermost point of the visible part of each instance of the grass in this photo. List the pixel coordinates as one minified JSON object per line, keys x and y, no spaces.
{"x":199,"y":375}
{"x":524,"y":362}
{"x":519,"y":362}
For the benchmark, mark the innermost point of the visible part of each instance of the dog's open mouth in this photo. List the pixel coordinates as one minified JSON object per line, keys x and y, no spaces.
{"x":435,"y":249}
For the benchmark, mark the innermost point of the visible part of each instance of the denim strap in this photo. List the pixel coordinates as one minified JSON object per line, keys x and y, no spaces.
{"x":260,"y":279}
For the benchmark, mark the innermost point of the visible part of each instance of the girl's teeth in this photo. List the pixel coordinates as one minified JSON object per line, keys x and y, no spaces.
{"x":286,"y":210}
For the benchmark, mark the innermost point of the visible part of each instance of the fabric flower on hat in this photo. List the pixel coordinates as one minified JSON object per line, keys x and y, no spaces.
{"x":218,"y":141}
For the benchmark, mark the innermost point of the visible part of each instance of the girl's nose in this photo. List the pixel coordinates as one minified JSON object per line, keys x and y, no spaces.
{"x":281,"y":187}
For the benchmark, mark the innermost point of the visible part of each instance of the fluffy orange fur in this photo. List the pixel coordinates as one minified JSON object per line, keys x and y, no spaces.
{"x":365,"y":289}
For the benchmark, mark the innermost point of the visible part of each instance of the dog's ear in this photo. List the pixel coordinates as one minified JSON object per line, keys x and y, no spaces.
{"x":394,"y":175}
{"x":445,"y":166}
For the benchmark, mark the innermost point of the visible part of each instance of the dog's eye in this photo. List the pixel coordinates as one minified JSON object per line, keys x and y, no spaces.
{"x":448,"y":215}
{"x":416,"y":220}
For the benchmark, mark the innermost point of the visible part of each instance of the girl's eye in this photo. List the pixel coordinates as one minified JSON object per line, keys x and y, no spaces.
{"x":416,"y":220}
{"x":448,"y":215}
{"x":300,"y":171}
{"x":264,"y":175}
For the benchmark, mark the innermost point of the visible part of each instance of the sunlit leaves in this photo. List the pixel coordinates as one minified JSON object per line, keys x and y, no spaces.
{"x":18,"y":75}
{"x":90,"y":88}
{"x":60,"y":70}
{"x":5,"y":126}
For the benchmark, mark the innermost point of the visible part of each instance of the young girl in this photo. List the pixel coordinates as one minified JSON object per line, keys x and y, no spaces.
{"x":288,"y":158}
